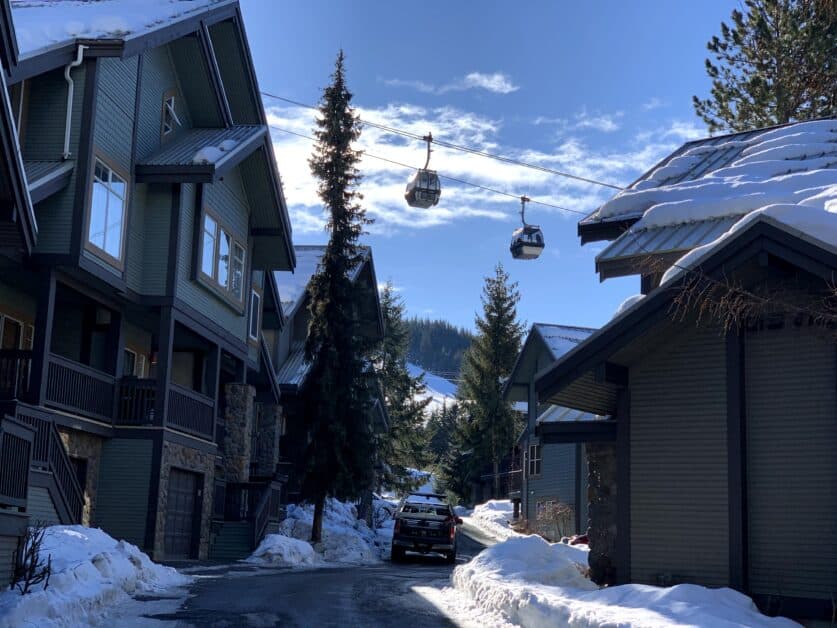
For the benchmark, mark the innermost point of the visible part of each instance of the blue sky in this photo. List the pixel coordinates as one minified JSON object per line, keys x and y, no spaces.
{"x":599,"y":89}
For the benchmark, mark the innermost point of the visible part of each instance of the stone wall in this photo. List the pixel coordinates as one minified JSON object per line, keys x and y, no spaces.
{"x":188,"y":459}
{"x":265,"y":457}
{"x":88,"y":447}
{"x":601,"y":496}
{"x":238,"y":427}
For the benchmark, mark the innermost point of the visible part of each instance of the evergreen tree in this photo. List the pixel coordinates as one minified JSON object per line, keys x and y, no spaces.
{"x":452,"y":438}
{"x":405,"y":445}
{"x":338,"y":400}
{"x":777,"y":63}
{"x":487,"y":364}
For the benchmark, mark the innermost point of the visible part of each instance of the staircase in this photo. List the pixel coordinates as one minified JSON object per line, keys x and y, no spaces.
{"x":233,"y":541}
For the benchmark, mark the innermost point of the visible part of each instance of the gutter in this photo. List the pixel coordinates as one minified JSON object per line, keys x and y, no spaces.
{"x":70,"y":91}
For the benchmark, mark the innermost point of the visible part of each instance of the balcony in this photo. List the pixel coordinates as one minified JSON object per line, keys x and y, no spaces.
{"x":127,"y":401}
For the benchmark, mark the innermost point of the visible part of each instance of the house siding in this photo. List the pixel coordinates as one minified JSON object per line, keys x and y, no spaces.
{"x":40,"y":507}
{"x":44,"y":140}
{"x":148,"y":239}
{"x":8,"y":549}
{"x":225,"y":199}
{"x":678,"y":468}
{"x":115,"y":97}
{"x":124,"y":480}
{"x":791,"y":436}
{"x":557,"y":478}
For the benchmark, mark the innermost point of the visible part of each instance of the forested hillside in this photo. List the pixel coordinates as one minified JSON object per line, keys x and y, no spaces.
{"x":437,"y":346}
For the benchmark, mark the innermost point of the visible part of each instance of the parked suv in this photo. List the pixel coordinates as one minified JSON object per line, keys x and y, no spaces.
{"x":424,"y":522}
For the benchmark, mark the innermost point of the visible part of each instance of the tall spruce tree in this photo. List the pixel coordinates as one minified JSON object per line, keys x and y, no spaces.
{"x":338,"y":400}
{"x":776,"y":63}
{"x":487,"y":363}
{"x":405,"y":445}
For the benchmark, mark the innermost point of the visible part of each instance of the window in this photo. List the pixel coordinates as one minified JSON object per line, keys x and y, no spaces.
{"x":107,"y":211}
{"x":222,"y":258}
{"x":255,"y":311}
{"x":170,"y":119}
{"x":534,"y":460}
{"x":12,"y":334}
{"x":133,"y":364}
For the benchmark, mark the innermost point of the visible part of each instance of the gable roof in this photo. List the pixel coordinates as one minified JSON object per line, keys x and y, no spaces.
{"x":720,"y":176}
{"x":802,"y":236}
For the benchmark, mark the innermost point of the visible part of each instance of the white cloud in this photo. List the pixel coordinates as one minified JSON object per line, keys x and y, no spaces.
{"x":496,"y":83}
{"x":383,"y":183}
{"x":653,"y":103}
{"x":606,"y":123}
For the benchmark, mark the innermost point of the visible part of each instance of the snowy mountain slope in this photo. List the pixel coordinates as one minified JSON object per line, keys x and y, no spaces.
{"x":440,"y":390}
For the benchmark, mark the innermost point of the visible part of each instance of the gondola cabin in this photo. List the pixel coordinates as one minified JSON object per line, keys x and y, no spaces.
{"x":527,"y":242}
{"x":424,"y":189}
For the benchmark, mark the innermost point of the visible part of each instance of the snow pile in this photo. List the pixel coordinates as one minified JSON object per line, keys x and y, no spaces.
{"x":493,"y":519}
{"x":791,"y":164}
{"x":346,"y":539}
{"x":212,"y":154}
{"x":277,"y":549}
{"x":627,"y":303}
{"x":90,"y":570}
{"x":535,"y":583}
{"x":41,"y":24}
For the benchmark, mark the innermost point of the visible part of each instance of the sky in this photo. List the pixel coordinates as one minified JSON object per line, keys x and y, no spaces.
{"x":597,"y":89}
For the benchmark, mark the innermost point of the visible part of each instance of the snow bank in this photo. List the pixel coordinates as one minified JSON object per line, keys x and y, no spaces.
{"x":493,"y":519}
{"x":535,"y":583}
{"x":40,"y":24}
{"x":277,"y":549}
{"x":90,"y":570}
{"x":346,"y":539}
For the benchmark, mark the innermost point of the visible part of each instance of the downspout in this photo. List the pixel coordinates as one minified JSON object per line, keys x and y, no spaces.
{"x":70,"y":89}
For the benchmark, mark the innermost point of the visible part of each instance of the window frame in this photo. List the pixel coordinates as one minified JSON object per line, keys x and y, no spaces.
{"x":534,"y":461}
{"x":169,"y":94}
{"x":211,"y":282}
{"x":254,"y":295}
{"x":116,"y":262}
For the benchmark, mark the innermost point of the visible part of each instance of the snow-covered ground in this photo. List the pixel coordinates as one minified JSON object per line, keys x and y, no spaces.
{"x":346,"y":539}
{"x":491,"y":520}
{"x":439,"y":390}
{"x":91,"y":573}
{"x":526,"y":581}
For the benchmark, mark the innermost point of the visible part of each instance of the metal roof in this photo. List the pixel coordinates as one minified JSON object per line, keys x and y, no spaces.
{"x":621,"y":256}
{"x":47,"y":177}
{"x":295,"y":369}
{"x":176,"y":162}
{"x":556,"y":414}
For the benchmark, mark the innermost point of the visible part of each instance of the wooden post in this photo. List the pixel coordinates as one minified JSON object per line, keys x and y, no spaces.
{"x":41,"y":345}
{"x":165,"y":340}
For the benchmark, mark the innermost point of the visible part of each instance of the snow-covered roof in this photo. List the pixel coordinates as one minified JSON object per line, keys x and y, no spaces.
{"x":292,"y":285}
{"x":561,"y":338}
{"x":560,"y":414}
{"x":295,"y":368}
{"x":44,"y":24}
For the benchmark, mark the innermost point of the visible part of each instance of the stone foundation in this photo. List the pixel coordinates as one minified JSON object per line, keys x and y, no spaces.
{"x":238,"y":427}
{"x":265,"y":457}
{"x":601,"y":496}
{"x":88,"y":447}
{"x":188,"y":459}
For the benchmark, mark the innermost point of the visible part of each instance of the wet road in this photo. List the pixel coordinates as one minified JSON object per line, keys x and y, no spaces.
{"x":378,"y":595}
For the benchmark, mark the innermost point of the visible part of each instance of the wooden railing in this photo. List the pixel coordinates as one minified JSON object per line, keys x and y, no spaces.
{"x":78,"y":388}
{"x":15,"y":457}
{"x":50,"y":455}
{"x":191,"y":412}
{"x":135,"y":403}
{"x":15,"y":368}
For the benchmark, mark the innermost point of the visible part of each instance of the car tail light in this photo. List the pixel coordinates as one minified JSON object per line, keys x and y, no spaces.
{"x":452,"y":531}
{"x":397,"y":528}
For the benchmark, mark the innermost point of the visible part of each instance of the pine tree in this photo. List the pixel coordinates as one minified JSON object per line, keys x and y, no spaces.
{"x":777,"y":63}
{"x":487,"y":364}
{"x":337,"y":400}
{"x":452,"y":438}
{"x":405,"y":445}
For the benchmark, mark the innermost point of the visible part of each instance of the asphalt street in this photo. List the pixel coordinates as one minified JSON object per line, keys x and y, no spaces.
{"x":376,"y":595}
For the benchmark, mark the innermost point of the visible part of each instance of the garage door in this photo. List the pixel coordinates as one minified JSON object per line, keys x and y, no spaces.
{"x":180,"y":513}
{"x":791,"y":466}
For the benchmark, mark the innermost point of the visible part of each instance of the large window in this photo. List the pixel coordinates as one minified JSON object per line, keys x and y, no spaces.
{"x":107,"y":211}
{"x":534,"y":460}
{"x":222,"y":258}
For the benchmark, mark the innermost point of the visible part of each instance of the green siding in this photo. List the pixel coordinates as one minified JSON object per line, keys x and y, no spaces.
{"x":40,"y":507}
{"x":557,"y":478}
{"x":44,"y":140}
{"x":124,"y":480}
{"x":148,"y":238}
{"x":678,"y":438}
{"x":225,"y":199}
{"x":8,"y":548}
{"x":113,"y":135}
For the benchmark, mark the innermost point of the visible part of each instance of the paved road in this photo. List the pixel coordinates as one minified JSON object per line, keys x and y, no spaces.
{"x":378,"y":595}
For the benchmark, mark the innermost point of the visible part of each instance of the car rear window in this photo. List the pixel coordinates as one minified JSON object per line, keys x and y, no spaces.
{"x":427,"y":509}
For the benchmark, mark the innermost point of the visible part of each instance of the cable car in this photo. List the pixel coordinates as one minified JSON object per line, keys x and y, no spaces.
{"x":424,"y":189}
{"x":527,"y":241}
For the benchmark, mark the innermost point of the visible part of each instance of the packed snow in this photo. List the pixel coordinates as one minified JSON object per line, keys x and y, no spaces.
{"x":213,"y":154}
{"x":440,"y":391}
{"x":562,"y":338}
{"x":42,"y":24}
{"x":346,"y":539}
{"x":560,"y":414}
{"x":492,"y":519}
{"x":91,"y":571}
{"x":627,"y":303}
{"x":535,"y":583}
{"x":786,"y":165}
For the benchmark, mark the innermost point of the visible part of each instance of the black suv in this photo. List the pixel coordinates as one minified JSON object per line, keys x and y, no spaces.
{"x":424,"y":522}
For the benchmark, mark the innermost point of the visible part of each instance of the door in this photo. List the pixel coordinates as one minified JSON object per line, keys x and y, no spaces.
{"x":182,"y":515}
